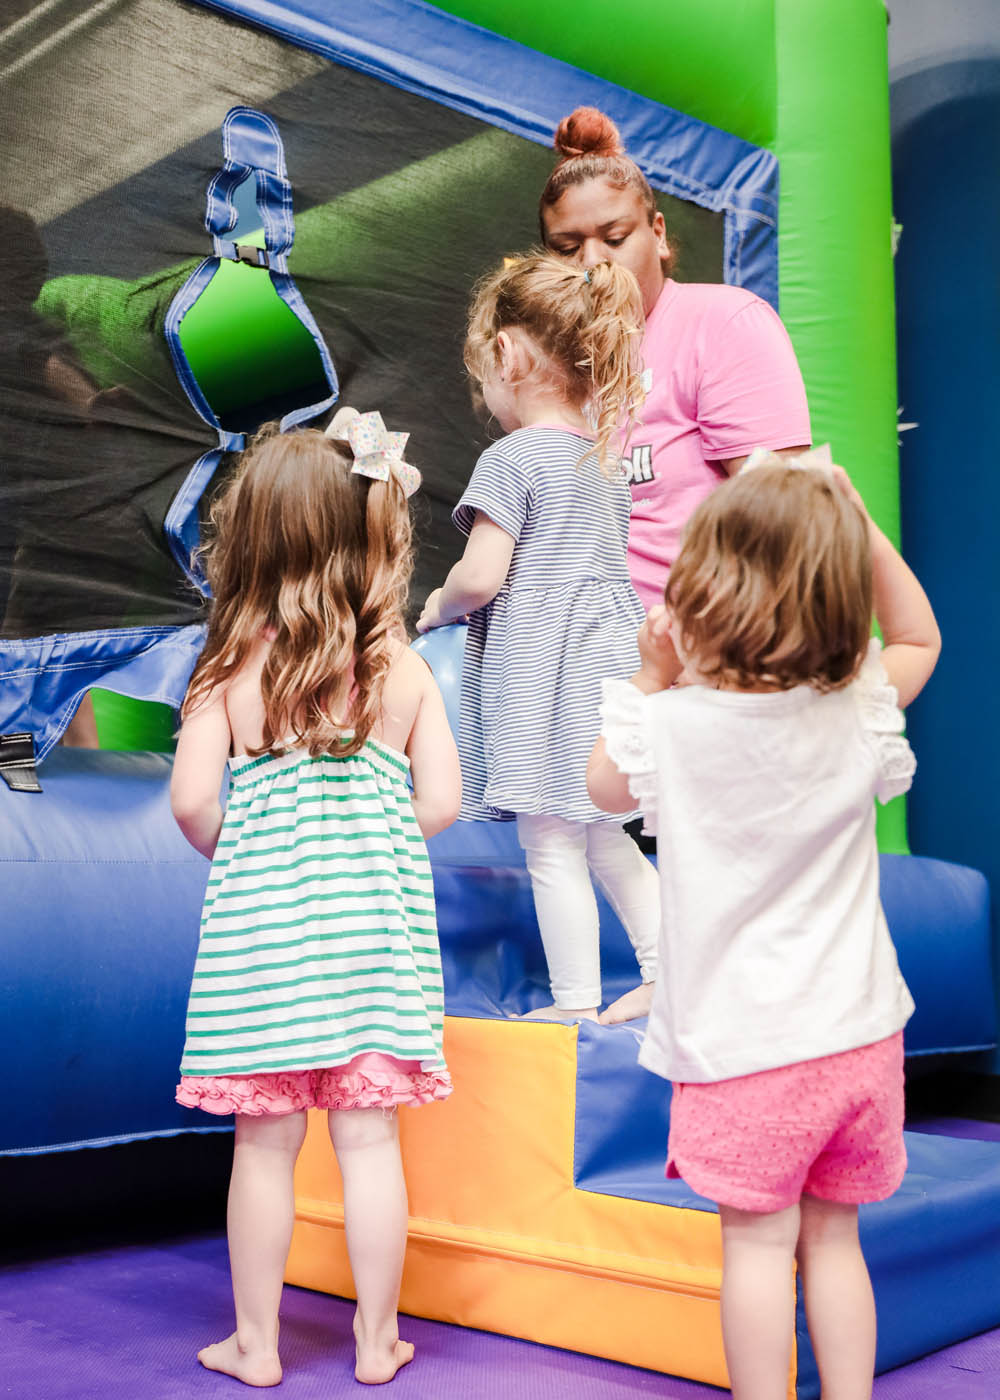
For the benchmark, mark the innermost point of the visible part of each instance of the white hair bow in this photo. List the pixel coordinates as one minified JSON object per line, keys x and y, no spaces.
{"x":816,"y":459}
{"x":377,"y":452}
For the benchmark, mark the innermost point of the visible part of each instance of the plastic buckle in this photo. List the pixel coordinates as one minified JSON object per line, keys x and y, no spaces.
{"x":17,"y":762}
{"x":253,"y":257}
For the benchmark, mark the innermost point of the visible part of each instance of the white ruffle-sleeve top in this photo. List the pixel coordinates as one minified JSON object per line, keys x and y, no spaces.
{"x":774,"y":947}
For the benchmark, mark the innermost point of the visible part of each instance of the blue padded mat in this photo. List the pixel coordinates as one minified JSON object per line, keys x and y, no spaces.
{"x":932,"y":1248}
{"x":102,"y":900}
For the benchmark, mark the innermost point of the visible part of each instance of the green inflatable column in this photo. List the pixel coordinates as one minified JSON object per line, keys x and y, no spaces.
{"x":835,"y":250}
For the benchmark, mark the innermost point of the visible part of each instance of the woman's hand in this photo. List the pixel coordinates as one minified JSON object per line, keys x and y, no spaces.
{"x":847,"y":488}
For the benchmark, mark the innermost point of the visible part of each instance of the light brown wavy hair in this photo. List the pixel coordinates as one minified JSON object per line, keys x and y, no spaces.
{"x":587,"y":325}
{"x":590,"y":148}
{"x":301,"y":545}
{"x":773,"y":582}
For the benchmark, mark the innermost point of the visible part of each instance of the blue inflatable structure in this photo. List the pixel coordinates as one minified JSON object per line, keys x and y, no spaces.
{"x":102,"y":898}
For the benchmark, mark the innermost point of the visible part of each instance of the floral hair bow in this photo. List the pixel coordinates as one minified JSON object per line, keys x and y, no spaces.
{"x":377,"y":452}
{"x":816,"y":459}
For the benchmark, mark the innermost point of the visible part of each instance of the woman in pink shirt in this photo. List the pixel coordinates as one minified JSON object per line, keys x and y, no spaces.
{"x":722,"y":377}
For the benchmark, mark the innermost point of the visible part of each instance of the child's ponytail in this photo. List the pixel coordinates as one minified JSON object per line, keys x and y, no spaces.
{"x":611,"y":340}
{"x":588,"y":323}
{"x":380,"y":615}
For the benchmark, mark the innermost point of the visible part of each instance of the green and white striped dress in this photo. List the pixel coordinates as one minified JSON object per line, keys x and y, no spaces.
{"x":318,"y":934}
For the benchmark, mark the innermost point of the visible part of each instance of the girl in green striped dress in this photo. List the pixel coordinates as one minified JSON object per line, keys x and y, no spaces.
{"x":317,"y":982}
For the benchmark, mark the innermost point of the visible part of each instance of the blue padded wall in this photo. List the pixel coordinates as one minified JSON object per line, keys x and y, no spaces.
{"x":101,"y":898}
{"x":946,"y":130}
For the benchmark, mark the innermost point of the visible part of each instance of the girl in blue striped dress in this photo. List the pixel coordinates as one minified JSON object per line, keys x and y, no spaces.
{"x":544,"y":582}
{"x":317,"y":982}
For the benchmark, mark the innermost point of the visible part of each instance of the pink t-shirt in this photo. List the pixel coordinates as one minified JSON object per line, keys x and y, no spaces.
{"x":724,"y":381}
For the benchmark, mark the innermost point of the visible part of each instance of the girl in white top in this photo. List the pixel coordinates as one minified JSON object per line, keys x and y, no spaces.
{"x":779,"y":1010}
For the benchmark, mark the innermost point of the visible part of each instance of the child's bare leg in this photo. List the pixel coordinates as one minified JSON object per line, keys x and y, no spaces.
{"x":366,"y":1141}
{"x":632,"y":888}
{"x":840,"y":1308}
{"x":260,"y":1218}
{"x":758,"y":1300}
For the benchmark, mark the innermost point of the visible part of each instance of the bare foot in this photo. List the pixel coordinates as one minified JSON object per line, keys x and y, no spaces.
{"x":634,"y":1003}
{"x":560,"y":1013}
{"x":252,"y":1368}
{"x":375,"y":1367}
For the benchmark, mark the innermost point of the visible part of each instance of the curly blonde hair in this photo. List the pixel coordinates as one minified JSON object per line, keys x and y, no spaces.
{"x":773,"y":582}
{"x":322,"y":556}
{"x":587,"y":324}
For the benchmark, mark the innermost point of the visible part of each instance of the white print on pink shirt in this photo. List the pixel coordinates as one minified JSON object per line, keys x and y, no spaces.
{"x":639,"y":465}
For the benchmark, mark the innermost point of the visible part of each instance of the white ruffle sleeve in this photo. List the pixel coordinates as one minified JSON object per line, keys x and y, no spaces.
{"x":882,"y":722}
{"x":623,"y":728}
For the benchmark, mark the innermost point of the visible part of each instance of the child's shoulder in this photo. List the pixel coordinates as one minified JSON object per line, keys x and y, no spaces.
{"x":408,"y":684}
{"x":526,"y":445}
{"x":408,"y":671}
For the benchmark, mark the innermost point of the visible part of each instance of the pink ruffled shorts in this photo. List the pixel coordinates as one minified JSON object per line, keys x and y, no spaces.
{"x":371,"y":1080}
{"x":831,"y":1127}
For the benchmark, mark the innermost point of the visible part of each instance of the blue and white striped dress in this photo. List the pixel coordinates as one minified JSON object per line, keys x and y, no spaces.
{"x":565,"y":619}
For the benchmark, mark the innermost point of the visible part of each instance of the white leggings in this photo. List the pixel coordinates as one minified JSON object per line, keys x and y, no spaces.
{"x":560,"y":856}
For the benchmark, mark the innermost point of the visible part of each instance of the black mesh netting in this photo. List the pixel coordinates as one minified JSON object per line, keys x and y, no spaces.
{"x":112,"y":117}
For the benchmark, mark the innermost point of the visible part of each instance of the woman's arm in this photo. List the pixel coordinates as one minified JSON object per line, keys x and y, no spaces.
{"x":475,"y":580}
{"x":731,"y":465}
{"x":199,"y":764}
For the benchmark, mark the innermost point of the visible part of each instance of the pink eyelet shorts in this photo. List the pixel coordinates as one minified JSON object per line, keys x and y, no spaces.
{"x":831,"y":1127}
{"x":370,"y":1080}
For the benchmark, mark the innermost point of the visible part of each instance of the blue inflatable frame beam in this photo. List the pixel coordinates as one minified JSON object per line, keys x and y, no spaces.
{"x":527,"y":93}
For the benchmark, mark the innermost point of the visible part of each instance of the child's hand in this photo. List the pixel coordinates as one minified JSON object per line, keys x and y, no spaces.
{"x":846,"y":487}
{"x":660,"y":664}
{"x":431,"y":615}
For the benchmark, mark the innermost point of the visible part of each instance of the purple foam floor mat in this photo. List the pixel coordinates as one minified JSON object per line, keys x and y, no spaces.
{"x":119,"y":1323}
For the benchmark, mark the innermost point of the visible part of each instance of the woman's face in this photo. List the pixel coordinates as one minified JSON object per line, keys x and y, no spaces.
{"x":599,"y":222}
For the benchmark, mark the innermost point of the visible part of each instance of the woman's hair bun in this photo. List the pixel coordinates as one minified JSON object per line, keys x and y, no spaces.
{"x":587,"y":132}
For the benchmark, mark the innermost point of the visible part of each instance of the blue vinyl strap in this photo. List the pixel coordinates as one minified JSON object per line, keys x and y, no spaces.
{"x":181,"y":523}
{"x":252,"y":147}
{"x":461,"y":65}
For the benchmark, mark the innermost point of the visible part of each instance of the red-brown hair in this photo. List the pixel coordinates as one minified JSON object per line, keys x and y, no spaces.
{"x":320,"y":555}
{"x":590,"y":148}
{"x":773,"y":582}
